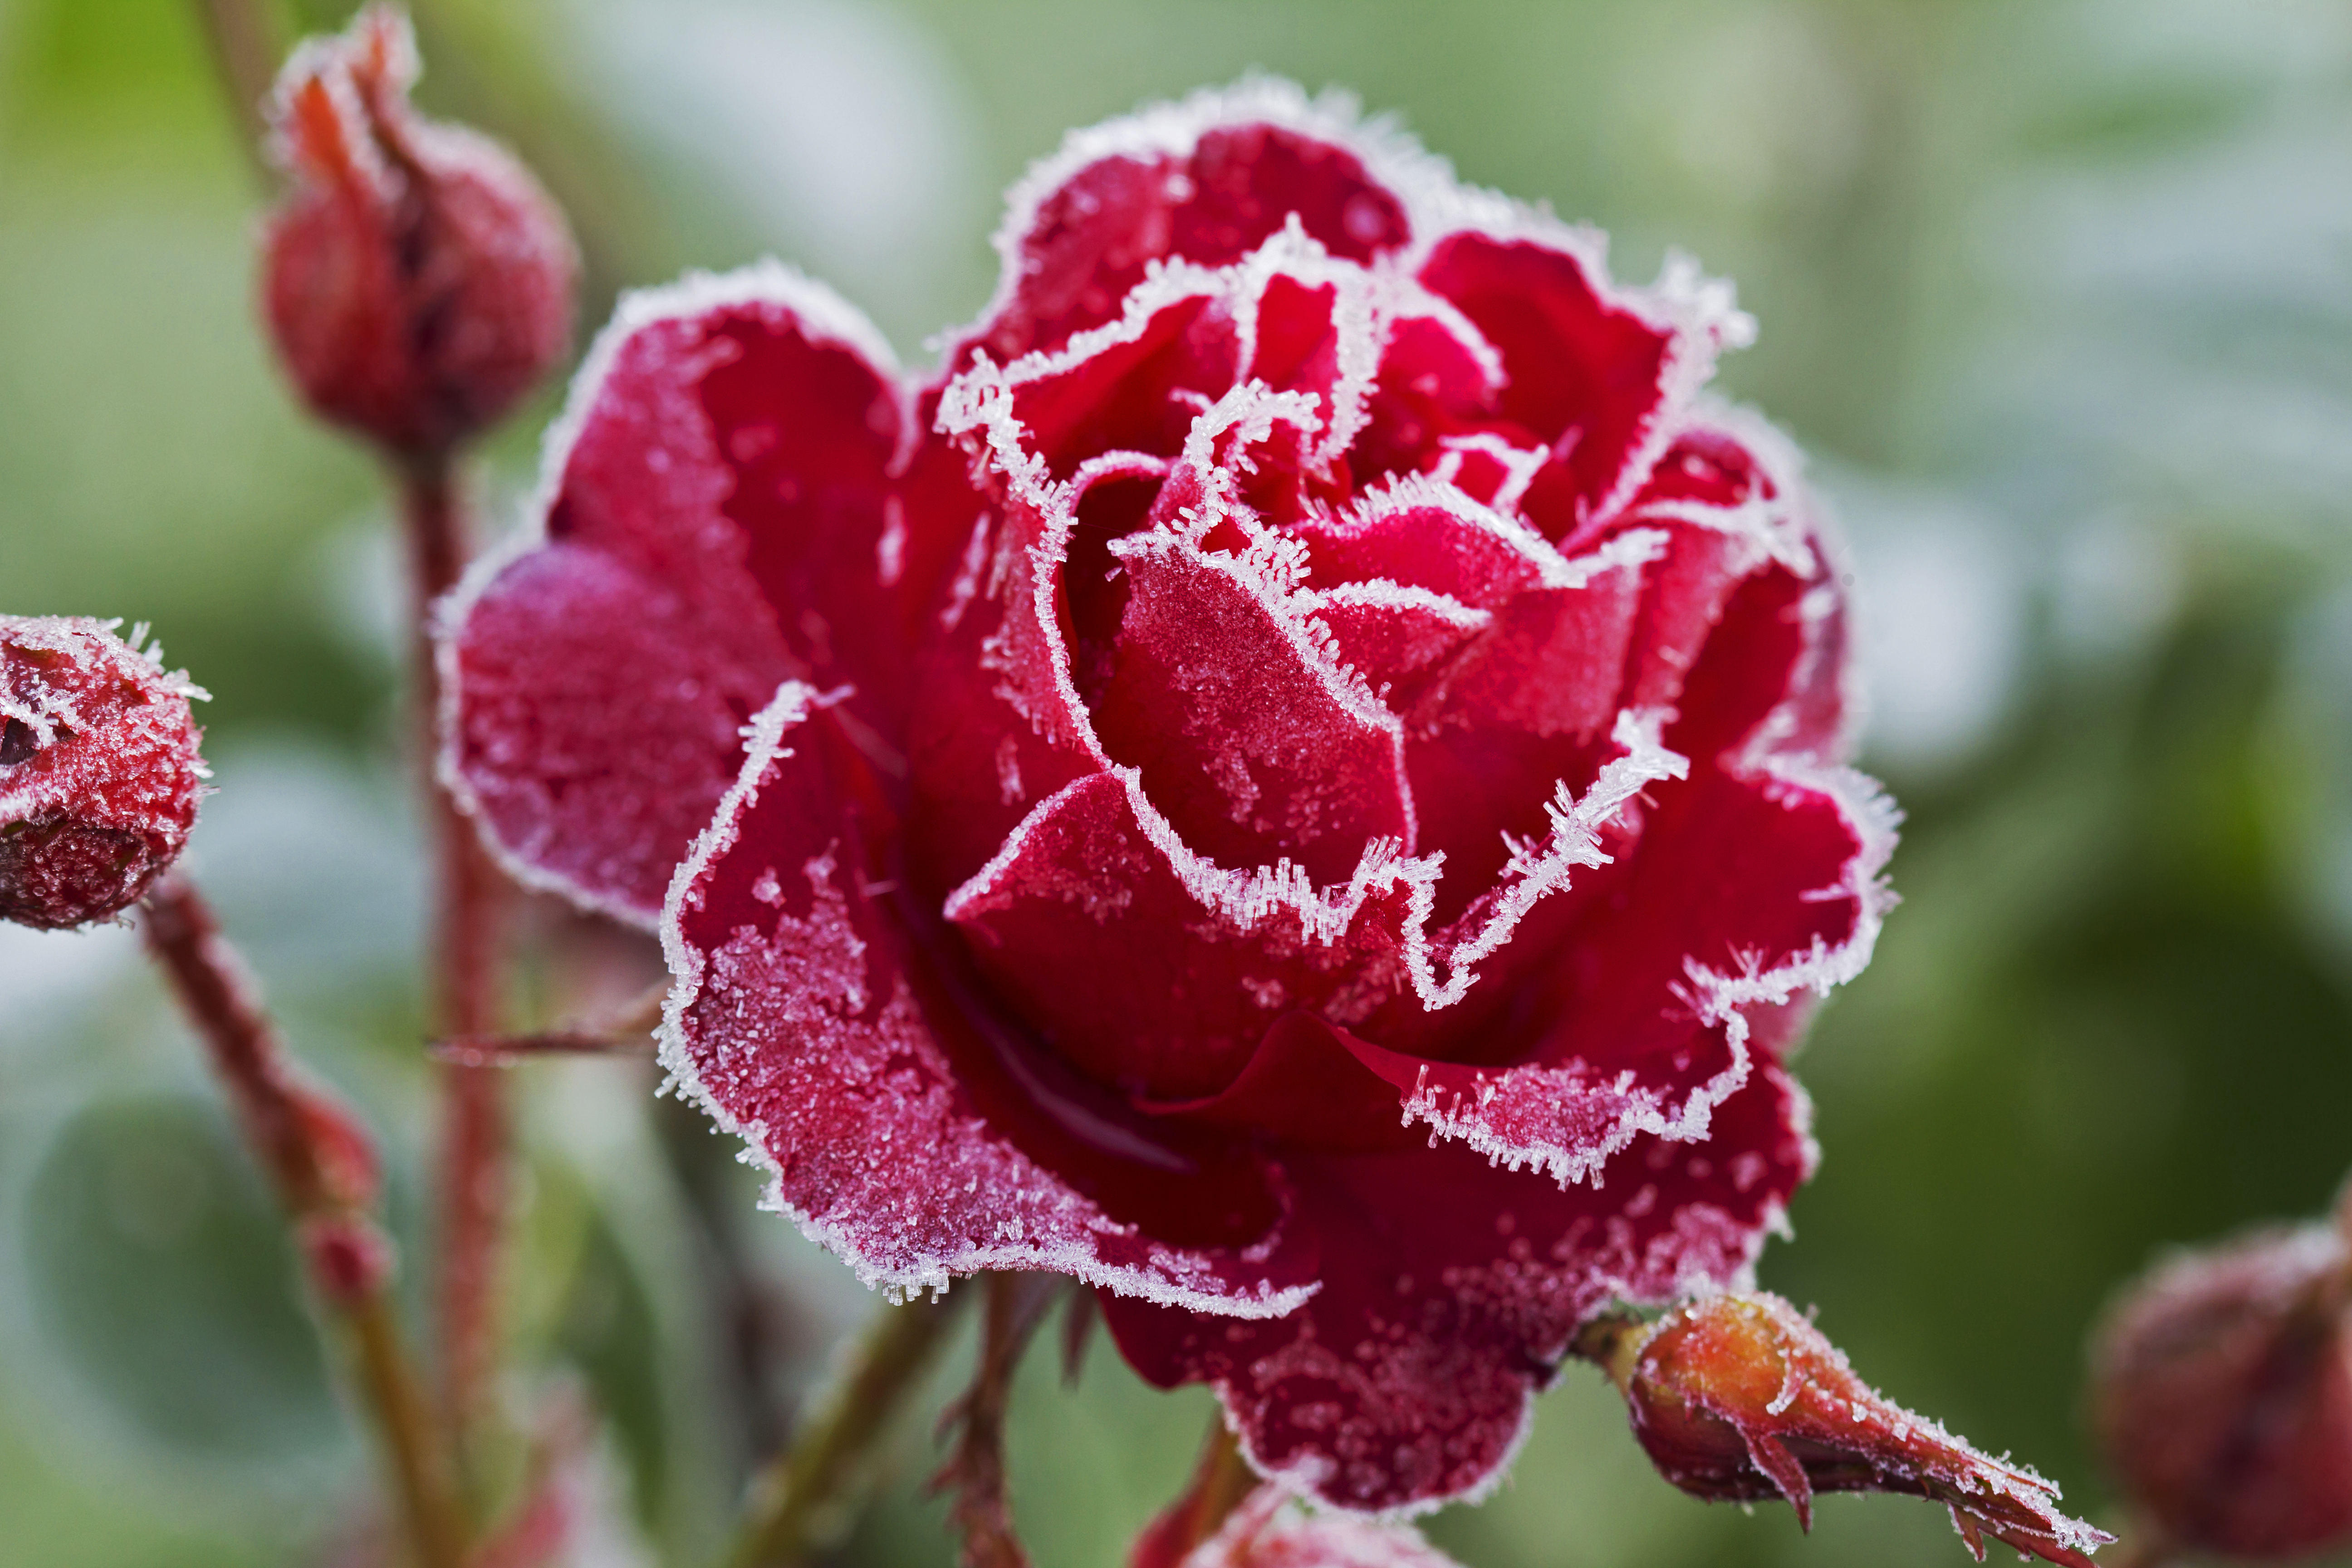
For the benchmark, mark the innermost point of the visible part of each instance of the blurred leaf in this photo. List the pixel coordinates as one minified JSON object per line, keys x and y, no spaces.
{"x":159,"y":1272}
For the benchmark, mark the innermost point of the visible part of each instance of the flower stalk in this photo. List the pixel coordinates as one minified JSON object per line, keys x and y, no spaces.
{"x":796,"y":1502}
{"x":473,"y":1177}
{"x":1222,"y":1481}
{"x":321,"y":1168}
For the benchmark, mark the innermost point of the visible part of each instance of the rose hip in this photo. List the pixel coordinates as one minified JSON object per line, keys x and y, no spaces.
{"x":2221,"y":1389}
{"x":98,"y":770}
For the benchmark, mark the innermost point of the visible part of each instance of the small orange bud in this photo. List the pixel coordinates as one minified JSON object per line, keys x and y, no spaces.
{"x":1741,"y":1397}
{"x":417,"y":281}
{"x":98,"y":770}
{"x":2221,"y":1388}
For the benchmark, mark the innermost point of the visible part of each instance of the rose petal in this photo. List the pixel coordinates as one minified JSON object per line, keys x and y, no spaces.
{"x":1085,"y":928}
{"x":1206,"y":181}
{"x":723,"y":514}
{"x":1249,"y":738}
{"x":597,"y":722}
{"x":1451,"y":1287}
{"x":903,"y":1127}
{"x":1587,"y":369}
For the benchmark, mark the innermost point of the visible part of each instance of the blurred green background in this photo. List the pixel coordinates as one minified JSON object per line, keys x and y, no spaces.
{"x":2058,"y":295}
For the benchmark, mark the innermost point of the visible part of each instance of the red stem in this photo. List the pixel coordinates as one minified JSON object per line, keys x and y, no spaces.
{"x":220,"y":999}
{"x":473,"y":1180}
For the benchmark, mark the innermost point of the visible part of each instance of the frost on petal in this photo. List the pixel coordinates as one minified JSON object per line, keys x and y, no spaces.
{"x":597,"y":723}
{"x":1745,"y":892}
{"x":906,"y":1128}
{"x":1138,"y":390}
{"x":1254,"y":753}
{"x":1418,"y":537}
{"x":1451,"y":1288}
{"x":1206,"y":181}
{"x":1586,"y":374}
{"x":1083,"y":925}
{"x":1666,"y":976}
{"x":720,"y":513}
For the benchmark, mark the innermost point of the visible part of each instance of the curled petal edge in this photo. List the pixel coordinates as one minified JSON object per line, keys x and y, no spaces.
{"x":824,"y":316}
{"x":765,"y":745}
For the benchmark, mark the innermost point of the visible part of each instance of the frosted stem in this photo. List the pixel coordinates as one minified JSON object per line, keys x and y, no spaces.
{"x":473,"y":1179}
{"x":805,"y":1487}
{"x":250,"y":1059}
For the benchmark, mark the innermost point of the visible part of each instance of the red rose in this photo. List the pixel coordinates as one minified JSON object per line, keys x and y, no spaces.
{"x":1295,"y":779}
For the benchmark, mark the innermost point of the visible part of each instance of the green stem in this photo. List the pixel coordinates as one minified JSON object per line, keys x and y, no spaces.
{"x":792,"y":1497}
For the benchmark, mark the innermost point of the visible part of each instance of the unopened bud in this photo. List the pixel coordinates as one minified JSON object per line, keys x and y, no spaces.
{"x":418,"y":281}
{"x":1741,"y":1397}
{"x":2222,"y":1386}
{"x":98,"y":770}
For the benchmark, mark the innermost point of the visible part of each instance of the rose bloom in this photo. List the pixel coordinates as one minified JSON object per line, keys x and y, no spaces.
{"x":1296,"y":778}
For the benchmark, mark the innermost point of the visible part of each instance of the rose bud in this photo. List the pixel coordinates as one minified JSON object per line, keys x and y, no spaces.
{"x":1740,"y":1397}
{"x":2221,"y":1391}
{"x":98,"y":770}
{"x":417,"y":278}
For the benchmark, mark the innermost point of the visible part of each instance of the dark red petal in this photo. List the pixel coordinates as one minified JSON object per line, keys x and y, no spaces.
{"x":1395,"y":637}
{"x":1746,"y":890}
{"x":1436,"y":378}
{"x":1306,"y":1085}
{"x":723,"y":515}
{"x":902,"y":1131}
{"x":1587,"y":371}
{"x":1769,"y":675}
{"x":1525,"y":708}
{"x":1250,"y":739}
{"x":1138,"y":393}
{"x":1086,"y":929}
{"x":1676,"y":969}
{"x":1206,"y":181}
{"x":1422,"y":535}
{"x":597,"y":720}
{"x":1450,"y":1289}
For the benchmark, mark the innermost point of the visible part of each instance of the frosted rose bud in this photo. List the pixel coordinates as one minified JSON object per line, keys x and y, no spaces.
{"x":418,"y":281}
{"x":2222,"y":1395}
{"x":98,"y":770}
{"x":1740,"y":1397}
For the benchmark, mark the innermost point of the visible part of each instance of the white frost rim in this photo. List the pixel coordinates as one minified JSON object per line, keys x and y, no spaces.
{"x":823,"y":317}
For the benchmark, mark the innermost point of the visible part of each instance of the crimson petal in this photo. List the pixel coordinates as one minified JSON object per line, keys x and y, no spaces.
{"x":722,"y":513}
{"x":1206,"y":181}
{"x":1451,"y":1287}
{"x":801,"y":1019}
